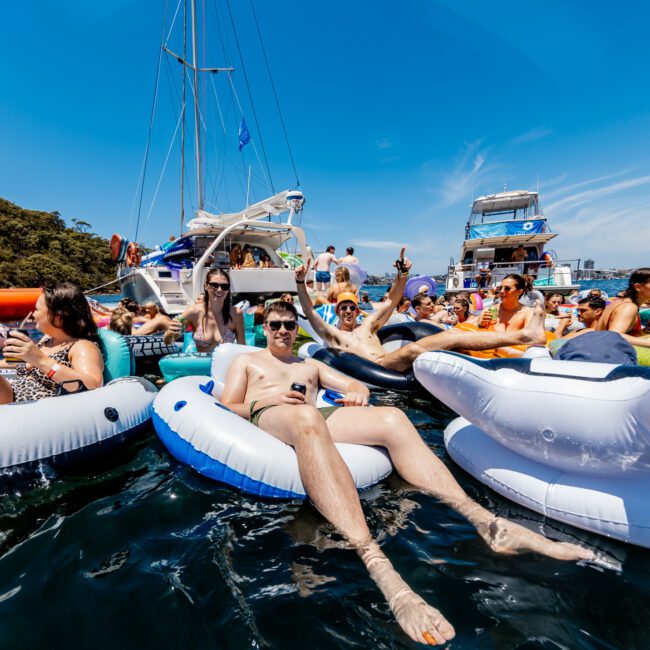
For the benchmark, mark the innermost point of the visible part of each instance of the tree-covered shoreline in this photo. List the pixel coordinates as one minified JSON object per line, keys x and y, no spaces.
{"x":37,"y":248}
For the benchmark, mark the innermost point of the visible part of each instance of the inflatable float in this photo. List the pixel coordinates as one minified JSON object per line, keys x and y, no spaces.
{"x":199,"y":431}
{"x":568,"y":439}
{"x":372,"y":374}
{"x":70,"y":430}
{"x":17,"y":303}
{"x":151,"y":346}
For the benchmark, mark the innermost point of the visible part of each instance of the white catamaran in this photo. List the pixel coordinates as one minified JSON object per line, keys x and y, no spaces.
{"x":173,"y":275}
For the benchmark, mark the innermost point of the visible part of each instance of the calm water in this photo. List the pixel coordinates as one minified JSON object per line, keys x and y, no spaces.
{"x":144,"y":553}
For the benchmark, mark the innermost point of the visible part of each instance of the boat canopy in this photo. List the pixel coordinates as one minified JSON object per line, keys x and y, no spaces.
{"x":273,"y":206}
{"x":506,"y":201}
{"x":508,"y":240}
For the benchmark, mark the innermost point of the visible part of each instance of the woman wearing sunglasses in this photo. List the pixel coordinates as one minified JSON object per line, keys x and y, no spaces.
{"x":215,"y":320}
{"x":511,"y":314}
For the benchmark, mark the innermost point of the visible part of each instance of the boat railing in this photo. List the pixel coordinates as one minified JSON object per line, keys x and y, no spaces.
{"x":556,"y":273}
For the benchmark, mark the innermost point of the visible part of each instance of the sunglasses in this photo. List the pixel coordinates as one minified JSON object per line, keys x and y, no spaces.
{"x":348,"y":308}
{"x":224,"y":286}
{"x":506,"y":289}
{"x":276,"y":325}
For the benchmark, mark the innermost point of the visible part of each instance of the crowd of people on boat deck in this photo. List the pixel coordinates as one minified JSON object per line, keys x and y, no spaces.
{"x":68,"y":350}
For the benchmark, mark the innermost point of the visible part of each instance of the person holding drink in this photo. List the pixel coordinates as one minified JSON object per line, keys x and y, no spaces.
{"x":215,"y":320}
{"x":66,"y":356}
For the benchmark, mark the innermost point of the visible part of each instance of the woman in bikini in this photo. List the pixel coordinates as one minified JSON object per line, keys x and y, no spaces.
{"x":67,"y":354}
{"x":215,"y":320}
{"x":622,"y":316}
{"x":342,"y":284}
{"x":512,"y":315}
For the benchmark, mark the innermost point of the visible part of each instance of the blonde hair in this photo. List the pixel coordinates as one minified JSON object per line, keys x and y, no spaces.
{"x":121,"y":321}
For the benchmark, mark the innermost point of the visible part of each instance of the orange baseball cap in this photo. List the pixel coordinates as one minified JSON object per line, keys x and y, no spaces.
{"x":347,"y":296}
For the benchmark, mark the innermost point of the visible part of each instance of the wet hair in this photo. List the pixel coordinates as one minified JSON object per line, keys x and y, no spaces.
{"x":281,"y":308}
{"x":464,"y":304}
{"x":342,"y":274}
{"x":403,"y":300}
{"x":522,"y":282}
{"x":349,"y":250}
{"x":417,"y":299}
{"x":121,"y":321}
{"x":225,"y":312}
{"x":69,"y":310}
{"x":640,"y":276}
{"x":330,"y":249}
{"x":130,"y":305}
{"x":593,"y":302}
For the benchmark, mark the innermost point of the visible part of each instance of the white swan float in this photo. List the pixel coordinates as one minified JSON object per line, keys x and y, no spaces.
{"x":568,"y":439}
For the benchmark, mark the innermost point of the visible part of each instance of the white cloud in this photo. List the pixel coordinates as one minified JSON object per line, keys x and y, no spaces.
{"x":470,"y":173}
{"x":581,"y":198}
{"x":569,"y":188}
{"x":383,"y":143}
{"x":537,"y":133}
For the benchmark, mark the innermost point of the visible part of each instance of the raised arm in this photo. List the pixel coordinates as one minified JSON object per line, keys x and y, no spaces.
{"x":380,"y":316}
{"x":328,"y":333}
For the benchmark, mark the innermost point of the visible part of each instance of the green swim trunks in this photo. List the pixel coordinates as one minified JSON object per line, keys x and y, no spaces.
{"x":325,"y":411}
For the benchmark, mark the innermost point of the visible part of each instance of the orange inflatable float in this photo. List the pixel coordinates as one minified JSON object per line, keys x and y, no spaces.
{"x":17,"y":303}
{"x":133,"y":254}
{"x":496,"y":353}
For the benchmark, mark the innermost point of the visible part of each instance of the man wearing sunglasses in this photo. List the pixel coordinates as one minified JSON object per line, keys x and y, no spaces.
{"x":261,"y":387}
{"x":361,"y":338}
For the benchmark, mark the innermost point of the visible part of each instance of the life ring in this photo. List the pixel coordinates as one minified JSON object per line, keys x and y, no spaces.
{"x":510,"y":351}
{"x":372,"y":374}
{"x":198,"y":430}
{"x":133,"y":254}
{"x":118,"y":247}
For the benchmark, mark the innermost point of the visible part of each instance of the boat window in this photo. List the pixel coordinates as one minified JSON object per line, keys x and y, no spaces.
{"x":523,"y":212}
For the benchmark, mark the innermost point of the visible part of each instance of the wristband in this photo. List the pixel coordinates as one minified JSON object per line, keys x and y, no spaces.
{"x":300,"y":282}
{"x":53,"y":370}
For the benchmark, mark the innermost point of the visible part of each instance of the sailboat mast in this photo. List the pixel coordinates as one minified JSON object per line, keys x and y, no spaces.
{"x":180,"y":230}
{"x":197,"y":132}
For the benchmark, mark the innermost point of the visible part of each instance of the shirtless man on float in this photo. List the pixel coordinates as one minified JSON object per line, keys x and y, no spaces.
{"x":363,"y":341}
{"x":257,"y":387}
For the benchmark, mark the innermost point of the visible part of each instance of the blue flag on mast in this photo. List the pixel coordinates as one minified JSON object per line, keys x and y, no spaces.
{"x":244,"y":135}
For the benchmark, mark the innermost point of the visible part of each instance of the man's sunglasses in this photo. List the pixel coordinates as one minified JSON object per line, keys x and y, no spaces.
{"x":275,"y":325}
{"x":224,"y":286}
{"x":348,"y":308}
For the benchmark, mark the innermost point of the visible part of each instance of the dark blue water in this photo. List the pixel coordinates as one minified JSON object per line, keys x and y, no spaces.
{"x":142,"y":552}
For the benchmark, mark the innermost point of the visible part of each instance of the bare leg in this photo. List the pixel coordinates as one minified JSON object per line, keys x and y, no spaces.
{"x":6,"y":391}
{"x":454,"y":339}
{"x":329,"y":484}
{"x":388,"y":427}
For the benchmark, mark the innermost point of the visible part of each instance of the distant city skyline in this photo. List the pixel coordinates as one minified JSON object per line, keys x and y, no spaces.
{"x":397,"y":118}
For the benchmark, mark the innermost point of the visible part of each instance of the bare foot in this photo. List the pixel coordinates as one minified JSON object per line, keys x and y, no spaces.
{"x":420,"y":621}
{"x":506,"y":537}
{"x":533,"y":333}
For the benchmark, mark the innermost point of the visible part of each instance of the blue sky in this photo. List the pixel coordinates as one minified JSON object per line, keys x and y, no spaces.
{"x":396,"y":118}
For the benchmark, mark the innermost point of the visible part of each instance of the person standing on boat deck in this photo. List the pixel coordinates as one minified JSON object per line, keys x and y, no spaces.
{"x":484,"y":276}
{"x":67,"y":354}
{"x":322,"y":266}
{"x":349,"y":257}
{"x":258,"y":388}
{"x":235,"y":257}
{"x":248,"y":261}
{"x":519,"y":255}
{"x":362,"y":340}
{"x":215,"y":320}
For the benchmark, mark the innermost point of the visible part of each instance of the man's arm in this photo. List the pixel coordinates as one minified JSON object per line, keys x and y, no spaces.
{"x":380,"y":316}
{"x":355,"y":393}
{"x":325,"y":331}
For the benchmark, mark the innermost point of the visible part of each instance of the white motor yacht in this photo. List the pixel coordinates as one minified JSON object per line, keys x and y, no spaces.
{"x":498,"y":225}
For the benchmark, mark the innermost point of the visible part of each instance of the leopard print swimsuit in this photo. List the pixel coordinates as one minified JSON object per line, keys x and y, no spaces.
{"x":31,"y":384}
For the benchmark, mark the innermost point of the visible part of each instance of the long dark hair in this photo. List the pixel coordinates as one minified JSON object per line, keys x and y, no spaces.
{"x":464,"y":304}
{"x":69,"y":310}
{"x":225,"y":312}
{"x":640,"y":276}
{"x":522,"y":282}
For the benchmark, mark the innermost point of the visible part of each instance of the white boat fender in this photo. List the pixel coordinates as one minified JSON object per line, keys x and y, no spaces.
{"x":200,"y":431}
{"x":576,"y":416}
{"x":372,"y":374}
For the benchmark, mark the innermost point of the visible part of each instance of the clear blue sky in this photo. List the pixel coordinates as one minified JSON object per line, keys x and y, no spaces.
{"x":397,"y":116}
